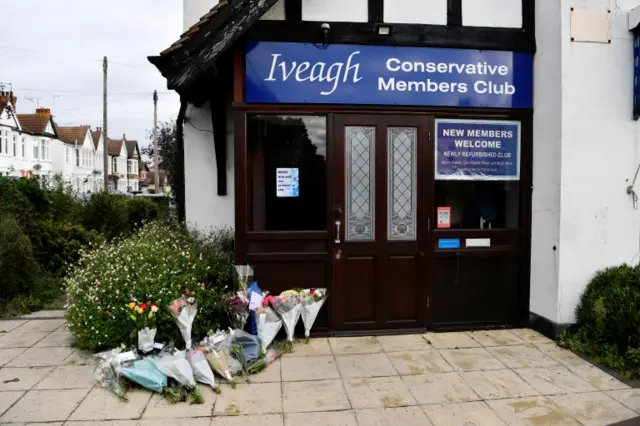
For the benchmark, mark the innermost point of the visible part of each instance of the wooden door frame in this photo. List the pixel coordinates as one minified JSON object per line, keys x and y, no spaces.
{"x":525,"y":116}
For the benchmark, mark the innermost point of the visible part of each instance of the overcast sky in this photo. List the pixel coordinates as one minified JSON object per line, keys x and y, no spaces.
{"x":53,"y":49}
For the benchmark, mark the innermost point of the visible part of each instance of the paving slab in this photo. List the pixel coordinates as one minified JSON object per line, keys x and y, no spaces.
{"x":530,"y":336}
{"x":495,"y":338}
{"x":257,"y":420}
{"x":19,"y":339}
{"x":309,"y":368}
{"x":15,"y":379}
{"x":355,"y":345}
{"x":409,"y":416}
{"x":101,"y":423}
{"x":68,"y":377}
{"x":80,"y":357}
{"x":100,"y":404}
{"x":272,"y":374}
{"x":41,"y":357}
{"x":366,"y":365}
{"x":630,"y":398}
{"x":472,"y":359}
{"x":466,"y":413}
{"x":451,"y":340}
{"x":160,"y":408}
{"x":563,"y":356}
{"x":440,"y":388}
{"x":532,"y":411}
{"x":419,"y":362}
{"x":8,"y":399}
{"x":315,"y":347}
{"x":322,"y":395}
{"x":335,"y":418}
{"x":554,"y":380}
{"x":8,"y":355}
{"x":255,"y":398}
{"x":8,"y":325}
{"x":596,"y":377}
{"x":56,"y":339}
{"x":593,"y":409}
{"x":378,"y":392}
{"x":42,"y":325}
{"x":522,"y":356}
{"x":44,"y":406}
{"x":495,"y":384}
{"x":403,"y":343}
{"x":50,"y":314}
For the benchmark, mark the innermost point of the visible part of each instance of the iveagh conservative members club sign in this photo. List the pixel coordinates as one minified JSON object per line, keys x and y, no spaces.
{"x":384,"y":75}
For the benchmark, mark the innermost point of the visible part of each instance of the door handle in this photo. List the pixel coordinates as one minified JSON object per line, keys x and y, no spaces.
{"x":337,"y":240}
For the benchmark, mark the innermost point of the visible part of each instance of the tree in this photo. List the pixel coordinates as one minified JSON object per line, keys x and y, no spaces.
{"x":167,"y":149}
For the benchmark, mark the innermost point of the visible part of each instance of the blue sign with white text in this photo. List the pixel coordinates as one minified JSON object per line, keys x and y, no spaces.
{"x":477,"y":150}
{"x":385,"y":75}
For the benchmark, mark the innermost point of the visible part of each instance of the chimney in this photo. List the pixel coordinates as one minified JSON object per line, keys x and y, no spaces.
{"x":6,"y":97}
{"x":99,"y":129}
{"x":45,"y":111}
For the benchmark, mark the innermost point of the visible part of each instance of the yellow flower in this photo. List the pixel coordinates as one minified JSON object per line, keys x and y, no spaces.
{"x":131,"y":305}
{"x":139,"y":310}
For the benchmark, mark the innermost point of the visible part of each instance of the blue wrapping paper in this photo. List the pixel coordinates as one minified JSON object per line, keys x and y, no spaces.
{"x":145,"y":373}
{"x":253,"y":325}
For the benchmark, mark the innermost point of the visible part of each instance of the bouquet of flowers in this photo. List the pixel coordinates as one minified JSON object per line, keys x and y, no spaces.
{"x":175,"y":366}
{"x":312,"y":300}
{"x":106,"y":373}
{"x":237,"y":307}
{"x":216,"y":348}
{"x":145,"y":373}
{"x":184,"y":311}
{"x":288,"y":306}
{"x":244,"y":274}
{"x":201,"y":369}
{"x":144,"y":316}
{"x":261,"y":363}
{"x":269,"y":324}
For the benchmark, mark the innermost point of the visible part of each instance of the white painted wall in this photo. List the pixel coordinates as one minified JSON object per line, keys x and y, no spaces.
{"x":494,"y":13}
{"x":204,"y":208}
{"x":586,"y":146}
{"x":547,"y":138}
{"x":335,"y":10}
{"x":416,"y":11}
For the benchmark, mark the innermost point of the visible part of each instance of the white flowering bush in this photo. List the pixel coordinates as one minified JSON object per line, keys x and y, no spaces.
{"x":151,"y":267}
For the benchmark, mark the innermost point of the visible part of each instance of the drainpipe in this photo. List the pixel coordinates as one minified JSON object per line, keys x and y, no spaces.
{"x":179,"y":179}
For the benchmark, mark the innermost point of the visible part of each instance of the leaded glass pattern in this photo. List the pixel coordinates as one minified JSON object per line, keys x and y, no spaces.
{"x":360,"y":183}
{"x":401,"y":201}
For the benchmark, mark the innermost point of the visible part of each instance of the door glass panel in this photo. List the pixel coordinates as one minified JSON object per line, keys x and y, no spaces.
{"x":360,"y":175}
{"x":402,"y":183}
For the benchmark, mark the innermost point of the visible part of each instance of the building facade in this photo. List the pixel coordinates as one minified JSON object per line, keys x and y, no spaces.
{"x":412,"y":156}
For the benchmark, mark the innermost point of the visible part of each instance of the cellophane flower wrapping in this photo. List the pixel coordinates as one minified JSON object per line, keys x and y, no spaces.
{"x":145,"y":373}
{"x":269,"y":324}
{"x":184,"y":311}
{"x":200,"y":367}
{"x":262,"y":363}
{"x":250,"y":345}
{"x":237,"y":308}
{"x":312,"y":300}
{"x":216,"y":350}
{"x":107,"y":371}
{"x":176,"y":367}
{"x":288,"y":306}
{"x":146,"y":338}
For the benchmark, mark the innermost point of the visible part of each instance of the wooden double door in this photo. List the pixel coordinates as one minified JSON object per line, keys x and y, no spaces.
{"x":380,"y":208}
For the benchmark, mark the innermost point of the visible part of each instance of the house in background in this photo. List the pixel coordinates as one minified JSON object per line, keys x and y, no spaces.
{"x":79,"y":156}
{"x":117,"y":151}
{"x":43,"y":147}
{"x":133,"y":164}
{"x":98,"y":162}
{"x":12,"y":164}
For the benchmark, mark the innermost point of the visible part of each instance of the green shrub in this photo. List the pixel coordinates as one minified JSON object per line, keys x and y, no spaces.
{"x":58,"y":245}
{"x":65,"y":206}
{"x":608,"y":319}
{"x":106,"y":213}
{"x":156,"y":264}
{"x":18,"y":266}
{"x":141,"y":210}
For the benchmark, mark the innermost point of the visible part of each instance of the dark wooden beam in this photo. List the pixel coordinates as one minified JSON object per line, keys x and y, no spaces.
{"x":219,"y":125}
{"x":460,"y":37}
{"x":179,"y":178}
{"x":454,"y":12}
{"x":293,"y":10}
{"x":529,"y":17}
{"x":376,"y":10}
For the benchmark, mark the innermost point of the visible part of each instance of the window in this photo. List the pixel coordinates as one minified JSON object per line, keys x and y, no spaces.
{"x":293,"y":145}
{"x":1,"y":141}
{"x":114,"y":165}
{"x":36,"y":150}
{"x":15,"y":146}
{"x":24,"y":148}
{"x":43,"y":152}
{"x":6,"y":142}
{"x":77,"y":157}
{"x":66,"y":155}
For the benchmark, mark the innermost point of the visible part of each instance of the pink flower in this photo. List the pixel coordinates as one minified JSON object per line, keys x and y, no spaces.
{"x":97,"y":283}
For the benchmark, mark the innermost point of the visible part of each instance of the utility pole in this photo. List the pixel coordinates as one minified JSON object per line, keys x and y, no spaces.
{"x":105,"y":154}
{"x":156,"y":172}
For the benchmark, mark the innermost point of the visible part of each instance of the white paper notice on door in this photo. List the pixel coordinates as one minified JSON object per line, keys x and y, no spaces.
{"x":287,"y":182}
